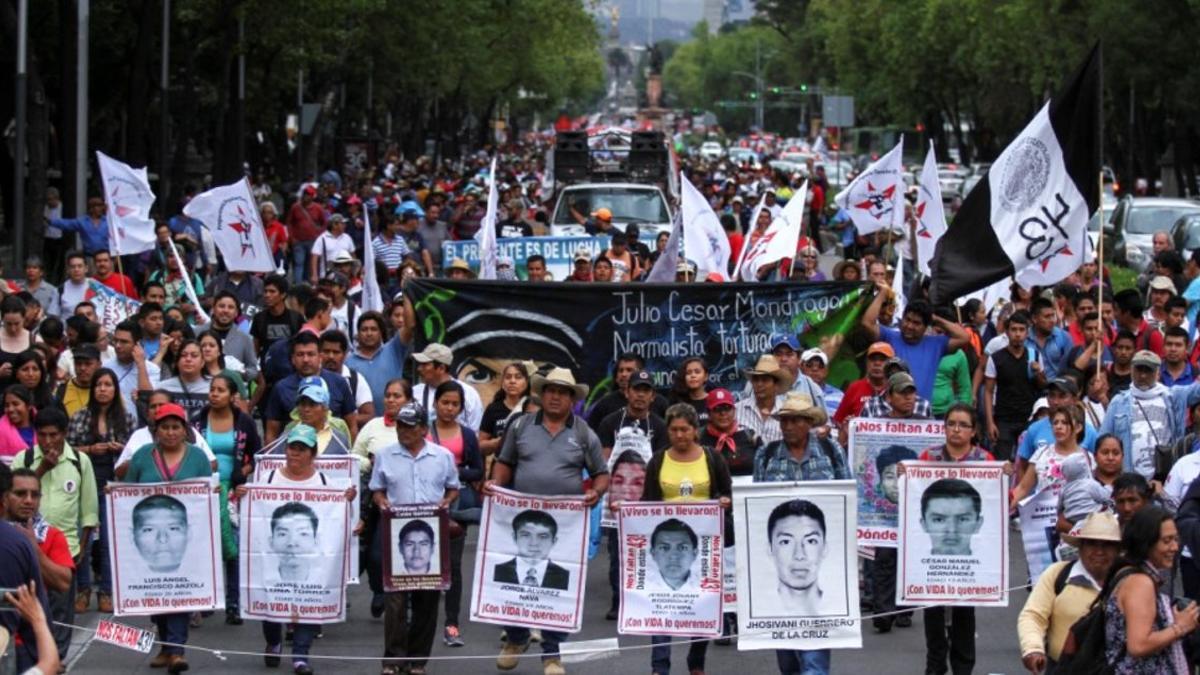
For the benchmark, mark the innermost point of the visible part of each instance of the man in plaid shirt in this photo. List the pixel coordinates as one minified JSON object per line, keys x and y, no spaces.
{"x":899,"y":400}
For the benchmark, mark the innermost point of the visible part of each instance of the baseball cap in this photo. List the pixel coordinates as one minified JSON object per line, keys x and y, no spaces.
{"x":1038,"y":406}
{"x":602,"y":214}
{"x":583,"y":253}
{"x":313,"y":388}
{"x":85,"y":351}
{"x":434,"y":353}
{"x":1162,"y":283}
{"x":1147,"y":358}
{"x":170,"y":410}
{"x":718,"y":397}
{"x":641,"y":379}
{"x":302,"y":434}
{"x":814,"y":353}
{"x":411,"y":415}
{"x":901,"y":382}
{"x":1067,"y":385}
{"x":780,"y":339}
{"x":881,"y":348}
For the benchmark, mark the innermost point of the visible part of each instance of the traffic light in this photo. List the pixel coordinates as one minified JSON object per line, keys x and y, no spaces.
{"x":776,"y":90}
{"x":804,"y":88}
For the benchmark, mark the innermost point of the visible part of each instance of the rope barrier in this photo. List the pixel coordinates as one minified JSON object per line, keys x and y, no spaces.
{"x":224,"y":654}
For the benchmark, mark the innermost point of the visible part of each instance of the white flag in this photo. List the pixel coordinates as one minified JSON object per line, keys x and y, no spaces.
{"x":898,"y":287}
{"x":875,"y":199}
{"x":746,"y":230}
{"x":372,"y":298}
{"x":230,"y":213}
{"x":931,"y":218}
{"x":780,"y":240}
{"x":487,"y":229}
{"x":1054,"y":268}
{"x":665,"y":267}
{"x":819,"y":147}
{"x":128,"y":196}
{"x":704,"y":240}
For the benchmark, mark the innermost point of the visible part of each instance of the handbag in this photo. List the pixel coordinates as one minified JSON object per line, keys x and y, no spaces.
{"x":468,"y":508}
{"x":1164,"y":455}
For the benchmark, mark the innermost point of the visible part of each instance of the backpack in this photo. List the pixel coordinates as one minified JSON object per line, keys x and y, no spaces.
{"x":1083,"y":651}
{"x":27,"y":462}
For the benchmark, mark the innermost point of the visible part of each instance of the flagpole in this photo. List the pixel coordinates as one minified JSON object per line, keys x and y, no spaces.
{"x":1100,"y":270}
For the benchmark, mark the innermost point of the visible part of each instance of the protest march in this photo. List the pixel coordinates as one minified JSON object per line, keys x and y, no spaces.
{"x":527,"y":379}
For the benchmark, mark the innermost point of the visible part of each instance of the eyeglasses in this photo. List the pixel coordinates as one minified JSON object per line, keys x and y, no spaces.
{"x":959,"y":425}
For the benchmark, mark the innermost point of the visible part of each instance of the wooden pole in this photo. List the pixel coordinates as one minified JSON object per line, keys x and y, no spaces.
{"x":1100,"y":273}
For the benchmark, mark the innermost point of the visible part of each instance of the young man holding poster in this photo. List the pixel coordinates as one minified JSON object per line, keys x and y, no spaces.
{"x":412,"y":471}
{"x":801,"y":455}
{"x":541,"y":455}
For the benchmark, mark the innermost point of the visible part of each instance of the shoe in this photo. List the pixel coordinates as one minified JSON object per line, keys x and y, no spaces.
{"x":177,"y":664}
{"x":271,"y":658}
{"x":452,"y":638}
{"x":904,"y":621}
{"x":302,"y":668}
{"x":535,"y":635}
{"x":105,"y":603}
{"x":196,"y":621}
{"x":161,"y":659}
{"x":882,"y":625}
{"x":611,"y":615}
{"x":233,"y":617}
{"x":553,"y":667}
{"x":83,"y":601}
{"x":377,"y":605}
{"x":288,"y":633}
{"x":510,"y":655}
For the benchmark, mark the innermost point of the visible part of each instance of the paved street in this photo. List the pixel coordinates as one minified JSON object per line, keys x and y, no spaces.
{"x":902,"y":651}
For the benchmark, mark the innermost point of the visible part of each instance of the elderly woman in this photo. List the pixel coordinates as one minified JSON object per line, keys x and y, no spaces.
{"x":312,"y":408}
{"x":1066,"y":590}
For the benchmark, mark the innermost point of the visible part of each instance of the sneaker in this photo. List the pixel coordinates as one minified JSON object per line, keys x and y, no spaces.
{"x":377,"y":605}
{"x":904,"y":621}
{"x":302,"y":668}
{"x":452,"y":638}
{"x":83,"y":601}
{"x":196,"y":621}
{"x":553,"y":667}
{"x":271,"y":657}
{"x":233,"y":617}
{"x":105,"y":603}
{"x":611,"y":614}
{"x":510,"y":655}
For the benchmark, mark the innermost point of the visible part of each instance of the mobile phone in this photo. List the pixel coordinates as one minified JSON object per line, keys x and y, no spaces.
{"x":1181,"y":603}
{"x":5,"y":605}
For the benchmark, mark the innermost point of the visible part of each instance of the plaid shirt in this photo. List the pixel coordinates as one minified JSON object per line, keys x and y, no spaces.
{"x":877,"y":406}
{"x":79,"y":430}
{"x":824,"y":460}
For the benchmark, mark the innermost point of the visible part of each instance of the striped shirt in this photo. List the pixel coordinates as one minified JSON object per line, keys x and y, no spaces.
{"x":390,"y":254}
{"x":877,"y":406}
{"x":749,"y":418}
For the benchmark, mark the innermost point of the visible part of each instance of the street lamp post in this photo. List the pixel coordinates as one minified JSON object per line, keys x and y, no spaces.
{"x":18,"y":209}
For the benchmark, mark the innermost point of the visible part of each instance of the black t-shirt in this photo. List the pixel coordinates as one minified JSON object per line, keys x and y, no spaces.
{"x":513,"y":228}
{"x":1016,"y":389}
{"x":653,"y":426}
{"x":1118,"y":383}
{"x":268,"y":329}
{"x":415,"y":243}
{"x":616,"y":400}
{"x":495,"y":418}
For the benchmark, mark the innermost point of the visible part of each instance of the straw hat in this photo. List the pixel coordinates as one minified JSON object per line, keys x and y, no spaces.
{"x":561,"y":377}
{"x":1098,"y":526}
{"x":768,"y":365}
{"x":799,"y":405}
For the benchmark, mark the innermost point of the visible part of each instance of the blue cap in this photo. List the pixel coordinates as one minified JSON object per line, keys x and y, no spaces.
{"x":304,"y":435}
{"x":314,"y":389}
{"x":780,"y":339}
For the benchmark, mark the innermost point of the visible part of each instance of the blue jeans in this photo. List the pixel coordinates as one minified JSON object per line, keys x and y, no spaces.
{"x":232,"y":598}
{"x":519,"y":635}
{"x":303,"y":635}
{"x":83,"y":576}
{"x":614,"y":571}
{"x":660,"y":654}
{"x":300,"y":252}
{"x":172,"y":628}
{"x":803,"y":662}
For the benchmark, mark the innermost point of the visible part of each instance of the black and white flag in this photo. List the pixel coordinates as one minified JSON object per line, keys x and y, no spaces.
{"x":1035,"y":200}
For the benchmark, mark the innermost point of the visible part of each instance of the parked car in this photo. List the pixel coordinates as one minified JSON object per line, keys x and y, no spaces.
{"x":711,"y":150}
{"x":1135,"y":221}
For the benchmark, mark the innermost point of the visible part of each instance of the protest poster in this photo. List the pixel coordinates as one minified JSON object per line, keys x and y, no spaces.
{"x":416,"y":548}
{"x":953,"y":534}
{"x":120,"y":635}
{"x":165,"y":548}
{"x":797,"y":574}
{"x":1039,"y":530}
{"x":876,"y":448}
{"x":294,"y":547}
{"x":531,"y":562}
{"x":342,"y":469}
{"x":488,"y":324}
{"x":626,"y":470}
{"x":670,"y":565}
{"x":559,"y":251}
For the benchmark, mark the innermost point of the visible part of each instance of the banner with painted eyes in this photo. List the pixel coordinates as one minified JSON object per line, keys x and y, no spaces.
{"x":953,"y":534}
{"x":165,"y":548}
{"x":670,"y":561}
{"x":294,"y":547}
{"x":797,"y":572}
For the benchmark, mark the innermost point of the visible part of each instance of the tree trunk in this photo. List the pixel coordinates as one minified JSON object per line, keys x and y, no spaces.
{"x":183,"y":128}
{"x":137,"y":122}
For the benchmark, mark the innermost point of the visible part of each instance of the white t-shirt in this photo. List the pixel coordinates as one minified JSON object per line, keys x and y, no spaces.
{"x":328,"y":246}
{"x":362,"y":392}
{"x":1150,"y":420}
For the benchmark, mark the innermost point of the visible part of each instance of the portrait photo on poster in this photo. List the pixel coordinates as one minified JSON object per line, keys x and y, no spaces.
{"x":797,"y":557}
{"x":295,"y":552}
{"x":534,"y":537}
{"x":417,"y":547}
{"x":160,"y":533}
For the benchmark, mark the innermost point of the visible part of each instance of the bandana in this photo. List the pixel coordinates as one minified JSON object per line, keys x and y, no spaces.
{"x":724,"y":439}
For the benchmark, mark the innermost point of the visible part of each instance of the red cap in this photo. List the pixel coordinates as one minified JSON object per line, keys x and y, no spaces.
{"x":718,"y":397}
{"x":310,"y":190}
{"x":170,"y":410}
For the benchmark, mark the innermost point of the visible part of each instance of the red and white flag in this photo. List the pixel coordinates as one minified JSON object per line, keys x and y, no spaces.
{"x":875,"y":199}
{"x":128,"y":196}
{"x":779,"y":241}
{"x":231,"y":214}
{"x":931,"y":218}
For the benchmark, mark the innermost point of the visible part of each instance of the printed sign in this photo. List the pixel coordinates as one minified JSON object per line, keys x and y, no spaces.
{"x":876,"y":448}
{"x":128,"y":637}
{"x":416,"y":548}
